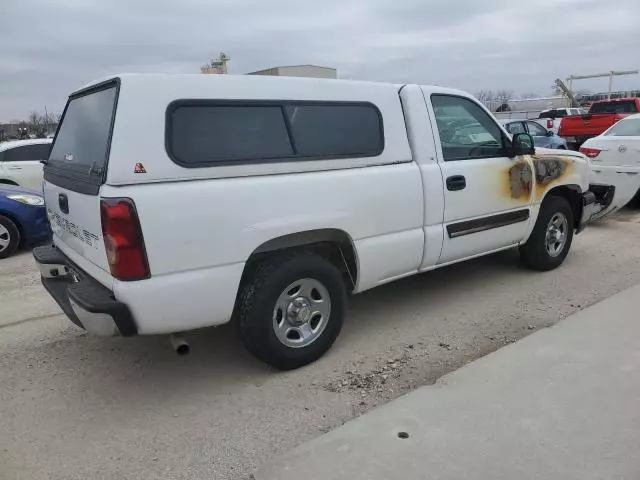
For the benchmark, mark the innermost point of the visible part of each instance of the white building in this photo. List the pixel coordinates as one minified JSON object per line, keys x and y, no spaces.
{"x":299,"y":71}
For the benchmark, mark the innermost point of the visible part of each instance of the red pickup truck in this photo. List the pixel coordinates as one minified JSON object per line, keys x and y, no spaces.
{"x":578,"y":128}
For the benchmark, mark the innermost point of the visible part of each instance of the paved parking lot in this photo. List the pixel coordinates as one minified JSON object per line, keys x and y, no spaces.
{"x":74,"y":406}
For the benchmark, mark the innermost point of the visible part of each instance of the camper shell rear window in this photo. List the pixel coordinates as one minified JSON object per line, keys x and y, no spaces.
{"x":80,"y":150}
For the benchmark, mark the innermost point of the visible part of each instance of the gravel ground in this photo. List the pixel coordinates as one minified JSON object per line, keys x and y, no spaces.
{"x":74,"y":406}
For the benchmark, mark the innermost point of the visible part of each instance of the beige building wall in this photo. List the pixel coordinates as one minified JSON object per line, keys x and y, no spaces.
{"x":312,"y":71}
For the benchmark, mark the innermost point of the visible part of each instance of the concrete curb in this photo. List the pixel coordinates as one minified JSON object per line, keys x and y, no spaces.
{"x":562,"y":403}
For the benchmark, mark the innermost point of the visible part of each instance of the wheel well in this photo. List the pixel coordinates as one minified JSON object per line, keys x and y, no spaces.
{"x":18,"y":226}
{"x":573,"y":195}
{"x":8,"y":182}
{"x":333,"y":244}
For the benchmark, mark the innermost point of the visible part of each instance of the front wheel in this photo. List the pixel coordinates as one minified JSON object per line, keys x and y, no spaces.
{"x":551,"y":238}
{"x":291,"y":309}
{"x":9,"y":237}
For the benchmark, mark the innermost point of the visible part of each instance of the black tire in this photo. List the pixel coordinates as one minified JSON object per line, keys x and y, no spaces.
{"x":534,"y":253}
{"x":257,"y":302}
{"x":11,"y":233}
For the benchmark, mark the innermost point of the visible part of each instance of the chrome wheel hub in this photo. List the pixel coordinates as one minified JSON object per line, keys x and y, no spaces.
{"x":301,"y":313}
{"x":5,"y":238}
{"x":557,"y":233}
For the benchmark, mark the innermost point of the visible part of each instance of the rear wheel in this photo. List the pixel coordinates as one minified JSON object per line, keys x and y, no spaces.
{"x":9,"y":237}
{"x":550,"y":241}
{"x":291,"y":309}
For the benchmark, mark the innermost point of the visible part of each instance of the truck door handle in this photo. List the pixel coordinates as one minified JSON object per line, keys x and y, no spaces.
{"x":456,"y":182}
{"x":14,"y":168}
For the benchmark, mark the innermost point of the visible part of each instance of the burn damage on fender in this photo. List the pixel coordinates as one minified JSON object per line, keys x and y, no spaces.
{"x":546,"y":170}
{"x":520,"y":180}
{"x":549,"y":169}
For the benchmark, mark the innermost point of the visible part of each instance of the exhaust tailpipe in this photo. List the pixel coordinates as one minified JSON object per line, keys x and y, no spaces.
{"x":179,"y":344}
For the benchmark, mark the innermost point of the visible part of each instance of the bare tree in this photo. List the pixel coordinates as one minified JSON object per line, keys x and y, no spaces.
{"x":503,"y":96}
{"x":37,"y":124}
{"x":485,"y":95}
{"x":34,"y":120}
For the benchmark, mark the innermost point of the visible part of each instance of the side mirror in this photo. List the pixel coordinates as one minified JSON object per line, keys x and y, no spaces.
{"x":522,"y":144}
{"x":550,"y":133}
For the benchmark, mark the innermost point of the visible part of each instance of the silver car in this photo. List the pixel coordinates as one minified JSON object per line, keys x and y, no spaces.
{"x":541,"y":136}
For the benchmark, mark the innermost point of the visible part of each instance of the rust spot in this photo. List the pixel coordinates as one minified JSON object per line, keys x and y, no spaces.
{"x":520,"y":180}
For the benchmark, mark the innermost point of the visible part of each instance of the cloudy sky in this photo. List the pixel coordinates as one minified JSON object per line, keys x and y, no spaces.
{"x":50,"y":47}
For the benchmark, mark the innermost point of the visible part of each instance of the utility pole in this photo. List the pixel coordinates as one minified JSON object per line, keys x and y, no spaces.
{"x":610,"y":74}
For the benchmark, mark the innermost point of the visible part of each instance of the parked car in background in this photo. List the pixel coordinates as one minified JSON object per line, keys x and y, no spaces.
{"x":551,"y":118}
{"x":20,"y":162}
{"x":600,"y":117}
{"x":541,"y":136}
{"x":23,"y":218}
{"x":617,"y":149}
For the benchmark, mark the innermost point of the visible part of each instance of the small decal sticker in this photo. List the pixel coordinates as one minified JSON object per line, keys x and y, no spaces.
{"x":139,"y":168}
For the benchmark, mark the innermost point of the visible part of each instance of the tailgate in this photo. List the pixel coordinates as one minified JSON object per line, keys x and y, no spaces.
{"x":75,"y":173}
{"x":75,"y":222}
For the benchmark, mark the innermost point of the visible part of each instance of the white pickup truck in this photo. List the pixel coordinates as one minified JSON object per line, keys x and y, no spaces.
{"x":185,"y":201}
{"x":551,"y":118}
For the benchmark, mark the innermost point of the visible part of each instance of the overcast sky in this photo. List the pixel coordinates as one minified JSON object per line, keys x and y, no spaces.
{"x":50,"y":47}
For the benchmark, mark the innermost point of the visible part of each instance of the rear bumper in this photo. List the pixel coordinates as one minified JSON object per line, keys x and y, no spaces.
{"x":86,"y":302}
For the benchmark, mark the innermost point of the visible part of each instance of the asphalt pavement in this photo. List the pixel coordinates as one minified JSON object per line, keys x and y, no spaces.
{"x":73,"y":406}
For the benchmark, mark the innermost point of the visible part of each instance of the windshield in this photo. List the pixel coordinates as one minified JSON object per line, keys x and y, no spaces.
{"x":614,"y":107}
{"x":625,"y":128}
{"x":82,"y":142}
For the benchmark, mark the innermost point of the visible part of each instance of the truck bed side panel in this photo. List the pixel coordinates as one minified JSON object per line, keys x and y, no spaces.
{"x":234,"y":216}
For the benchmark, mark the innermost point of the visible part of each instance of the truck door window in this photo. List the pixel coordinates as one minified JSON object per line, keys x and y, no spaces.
{"x":465,"y":130}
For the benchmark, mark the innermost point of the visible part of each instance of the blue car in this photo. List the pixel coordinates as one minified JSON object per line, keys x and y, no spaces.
{"x":542,"y":137}
{"x":23,"y":219}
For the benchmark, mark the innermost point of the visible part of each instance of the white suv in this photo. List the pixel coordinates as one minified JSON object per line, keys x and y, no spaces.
{"x":185,"y":201}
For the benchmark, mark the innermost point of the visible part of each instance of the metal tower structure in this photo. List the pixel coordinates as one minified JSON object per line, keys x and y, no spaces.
{"x":218,"y":66}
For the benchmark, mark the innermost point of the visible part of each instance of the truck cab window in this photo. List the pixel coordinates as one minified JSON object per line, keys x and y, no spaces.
{"x":466,"y":131}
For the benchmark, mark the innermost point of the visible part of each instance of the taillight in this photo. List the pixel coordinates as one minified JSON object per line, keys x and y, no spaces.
{"x":123,"y":239}
{"x":549,"y":123}
{"x":590,"y":152}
